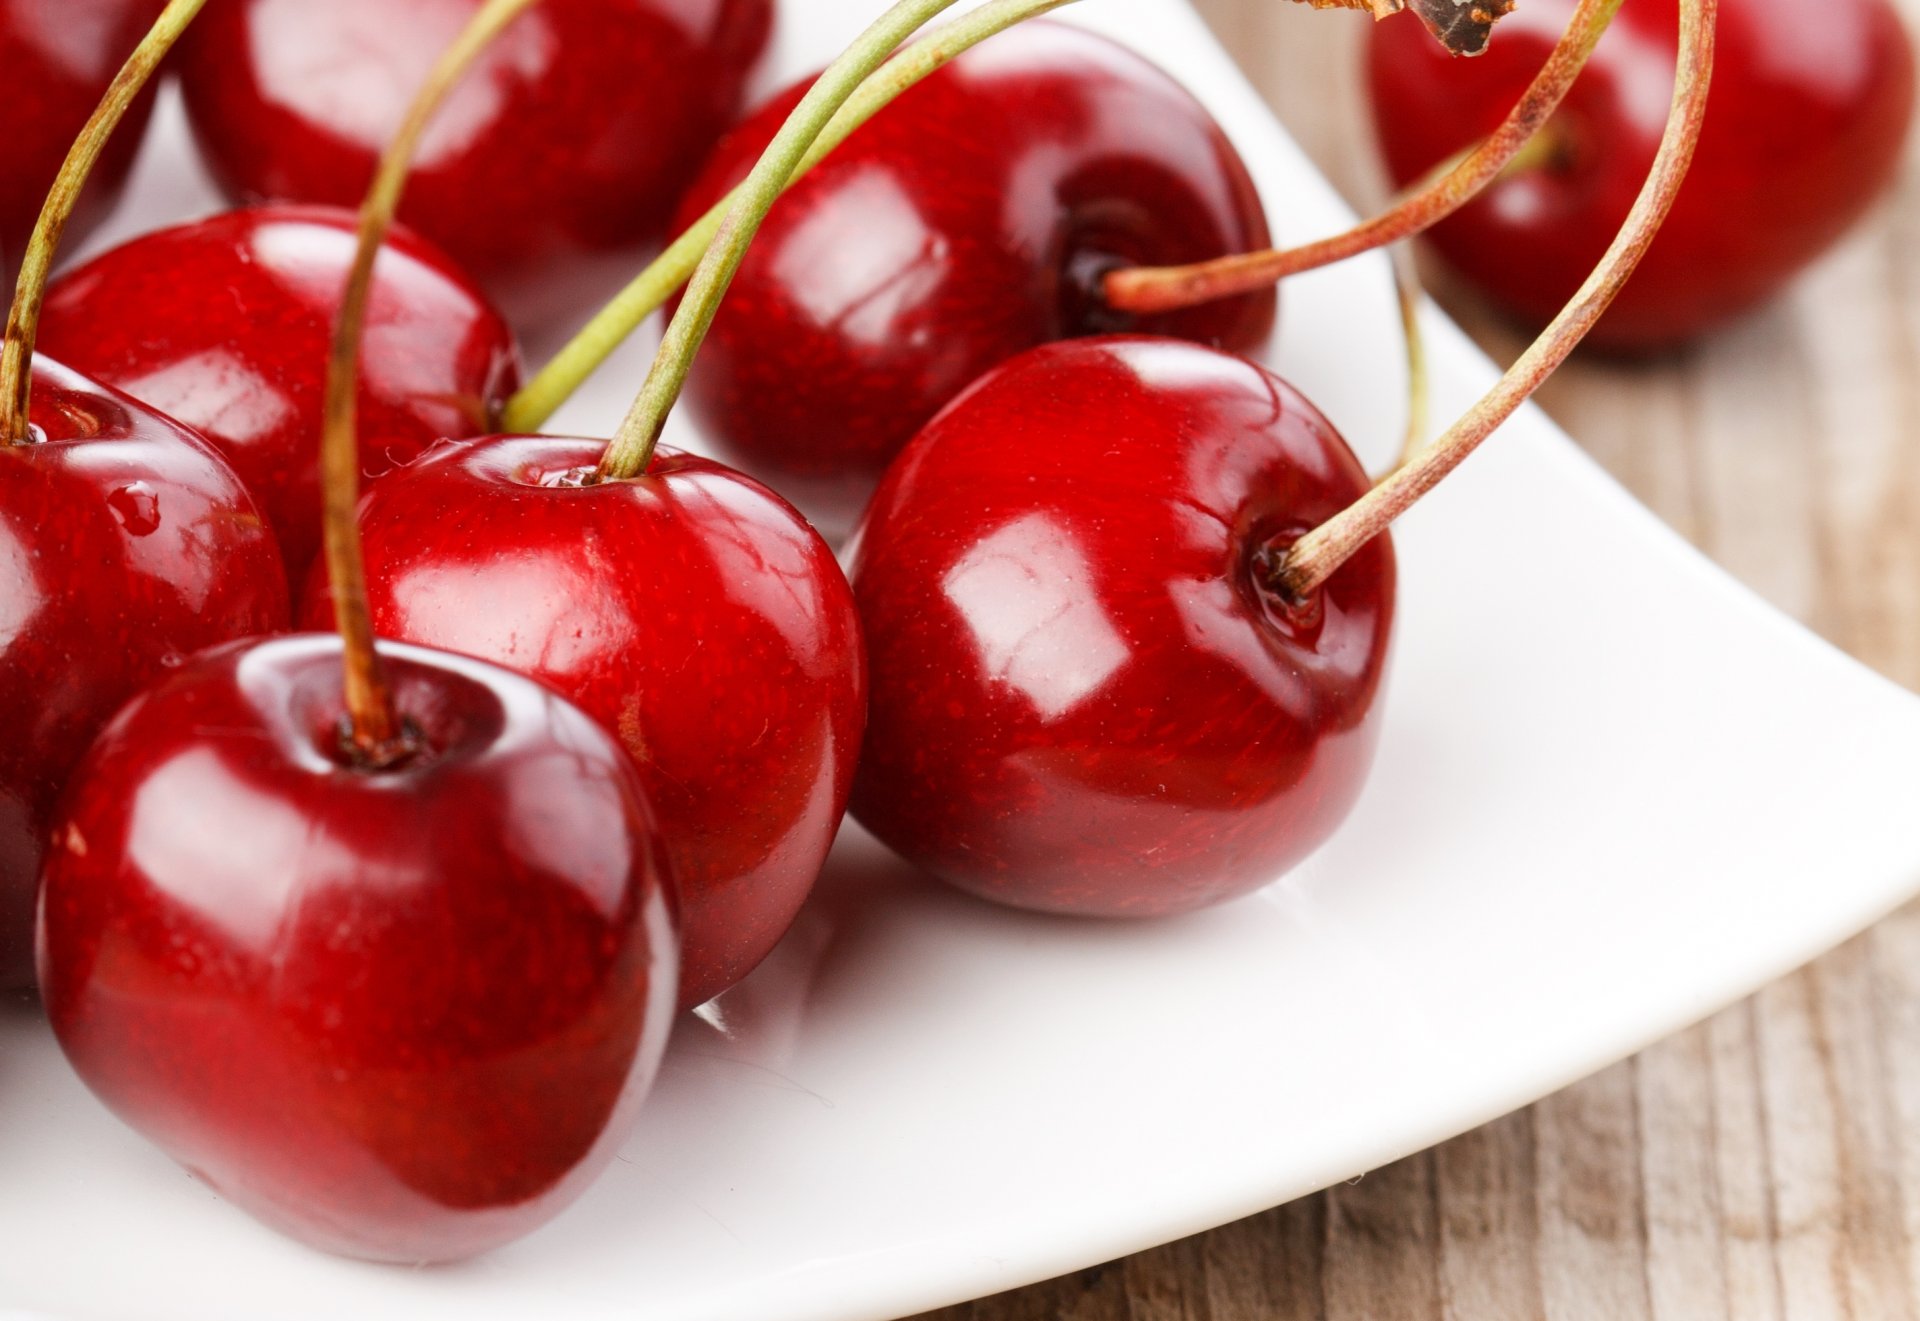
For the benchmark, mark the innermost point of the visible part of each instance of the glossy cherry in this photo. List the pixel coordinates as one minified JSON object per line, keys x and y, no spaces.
{"x":224,"y":324}
{"x":573,"y":137}
{"x":59,"y":56}
{"x":1809,"y":113}
{"x":406,"y":1013}
{"x":1086,"y":697}
{"x":691,"y":610}
{"x":968,"y":222}
{"x":126,"y":545}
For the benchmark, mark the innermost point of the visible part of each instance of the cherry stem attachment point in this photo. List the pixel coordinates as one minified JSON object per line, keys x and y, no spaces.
{"x":30,"y":292}
{"x":1318,"y":555}
{"x":1142,"y":290}
{"x":631,"y":449}
{"x":376,"y":734}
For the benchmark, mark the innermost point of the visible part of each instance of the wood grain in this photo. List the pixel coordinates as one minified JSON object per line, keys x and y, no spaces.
{"x":1764,"y":1166}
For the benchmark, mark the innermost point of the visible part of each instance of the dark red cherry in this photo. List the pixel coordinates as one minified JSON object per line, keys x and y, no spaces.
{"x":126,"y":545}
{"x":968,"y":222}
{"x":573,"y":137}
{"x":691,"y":610}
{"x":405,"y":1014}
{"x":1809,"y":111}
{"x":225,"y":324}
{"x":59,"y":56}
{"x":1086,"y":696}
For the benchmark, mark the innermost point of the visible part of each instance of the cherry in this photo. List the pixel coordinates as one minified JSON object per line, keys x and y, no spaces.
{"x":59,"y":56}
{"x":224,"y":324}
{"x":575,"y":137}
{"x":376,"y":940}
{"x":1809,"y":115}
{"x":691,"y":610}
{"x":1087,"y":695}
{"x":968,"y":222}
{"x":404,"y":1013}
{"x":125,"y":546}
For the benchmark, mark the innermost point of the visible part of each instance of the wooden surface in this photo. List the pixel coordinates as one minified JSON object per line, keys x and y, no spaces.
{"x":1766,"y":1164}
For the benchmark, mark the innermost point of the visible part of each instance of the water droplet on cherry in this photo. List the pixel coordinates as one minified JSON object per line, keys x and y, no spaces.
{"x":136,"y":507}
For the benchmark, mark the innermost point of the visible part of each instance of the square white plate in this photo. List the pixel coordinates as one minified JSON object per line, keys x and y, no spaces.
{"x":1615,"y":793}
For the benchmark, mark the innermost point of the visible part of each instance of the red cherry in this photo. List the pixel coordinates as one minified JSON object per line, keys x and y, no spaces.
{"x":1085,"y":697}
{"x":405,"y":1014}
{"x":574,"y":136}
{"x":1809,"y":112}
{"x":968,"y":222}
{"x":125,"y":546}
{"x":59,"y":56}
{"x":691,"y":610}
{"x":225,"y":323}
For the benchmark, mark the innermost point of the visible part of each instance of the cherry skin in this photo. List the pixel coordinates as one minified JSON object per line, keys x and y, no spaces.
{"x":690,"y":610}
{"x":573,"y":137}
{"x":226,"y":324}
{"x":126,"y":545}
{"x":967,"y":223}
{"x":59,"y":56}
{"x":405,"y":1014}
{"x":1809,"y":112}
{"x":1085,"y":697}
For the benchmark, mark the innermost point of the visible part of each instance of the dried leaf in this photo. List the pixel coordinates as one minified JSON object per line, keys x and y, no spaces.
{"x":1378,"y":8}
{"x":1462,"y":26}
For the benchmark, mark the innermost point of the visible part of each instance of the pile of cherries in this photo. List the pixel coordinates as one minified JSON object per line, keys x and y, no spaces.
{"x":385,"y":943}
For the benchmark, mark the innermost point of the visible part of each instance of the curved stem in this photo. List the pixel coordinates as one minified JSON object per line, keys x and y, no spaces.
{"x":1144,"y":289}
{"x":1318,"y":555}
{"x":632,"y":447}
{"x":23,"y":321}
{"x":542,"y":396}
{"x":649,"y":290}
{"x":378,"y":738}
{"x":1406,"y":287}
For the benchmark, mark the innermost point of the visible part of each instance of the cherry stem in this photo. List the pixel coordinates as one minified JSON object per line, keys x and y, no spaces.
{"x":631,"y":449}
{"x":377,"y":735}
{"x":542,"y":396}
{"x":1142,"y":290}
{"x":1318,"y":555}
{"x":30,"y":292}
{"x":1407,"y":291}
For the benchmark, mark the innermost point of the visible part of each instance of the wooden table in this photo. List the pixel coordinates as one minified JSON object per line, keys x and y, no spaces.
{"x":1765,"y":1164}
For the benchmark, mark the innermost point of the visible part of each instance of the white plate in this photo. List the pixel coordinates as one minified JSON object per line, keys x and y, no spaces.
{"x":1615,"y":793}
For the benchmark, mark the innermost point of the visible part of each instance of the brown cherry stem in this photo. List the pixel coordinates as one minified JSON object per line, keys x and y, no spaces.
{"x":375,"y":731}
{"x":1143,"y":290}
{"x":30,"y":291}
{"x":1318,"y":555}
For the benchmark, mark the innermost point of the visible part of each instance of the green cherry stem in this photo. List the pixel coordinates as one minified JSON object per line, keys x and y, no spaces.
{"x":23,"y":321}
{"x":376,"y":736}
{"x":1318,"y":555}
{"x":542,"y":396}
{"x":631,"y":449}
{"x":1412,"y":298}
{"x":1143,"y":290}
